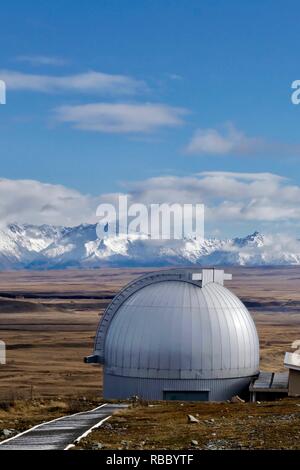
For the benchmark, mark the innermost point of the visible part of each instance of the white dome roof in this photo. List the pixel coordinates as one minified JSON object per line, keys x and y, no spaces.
{"x":180,"y":329}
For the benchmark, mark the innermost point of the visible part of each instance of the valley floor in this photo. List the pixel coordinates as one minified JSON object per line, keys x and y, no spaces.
{"x":48,"y":321}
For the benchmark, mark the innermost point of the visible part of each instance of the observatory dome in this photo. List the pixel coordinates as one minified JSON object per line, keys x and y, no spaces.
{"x":177,"y":334}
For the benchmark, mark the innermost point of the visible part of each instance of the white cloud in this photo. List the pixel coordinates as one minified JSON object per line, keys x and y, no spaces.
{"x":228,"y":197}
{"x":175,"y":76}
{"x":30,"y":201}
{"x":244,"y":175}
{"x":232,"y":200}
{"x":231,"y":141}
{"x":42,"y":60}
{"x":96,"y":82}
{"x":121,"y":117}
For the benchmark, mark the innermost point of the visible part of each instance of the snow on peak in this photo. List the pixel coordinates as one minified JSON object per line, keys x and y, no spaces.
{"x":47,"y":247}
{"x":255,"y":239}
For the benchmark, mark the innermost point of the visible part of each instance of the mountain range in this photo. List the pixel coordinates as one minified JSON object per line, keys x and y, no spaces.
{"x":49,"y":247}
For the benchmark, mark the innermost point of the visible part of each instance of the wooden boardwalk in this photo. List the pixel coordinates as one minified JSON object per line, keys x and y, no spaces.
{"x":61,"y":433}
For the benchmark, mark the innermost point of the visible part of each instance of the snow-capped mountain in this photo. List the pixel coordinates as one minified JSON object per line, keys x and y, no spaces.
{"x":49,"y":247}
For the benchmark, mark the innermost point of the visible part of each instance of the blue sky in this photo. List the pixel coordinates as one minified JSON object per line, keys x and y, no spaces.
{"x":101,"y":93}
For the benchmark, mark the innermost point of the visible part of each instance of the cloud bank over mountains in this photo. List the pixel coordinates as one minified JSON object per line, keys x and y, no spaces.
{"x":230,"y":199}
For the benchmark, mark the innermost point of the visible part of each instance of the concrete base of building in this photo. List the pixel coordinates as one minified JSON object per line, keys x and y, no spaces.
{"x":120,"y":387}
